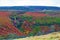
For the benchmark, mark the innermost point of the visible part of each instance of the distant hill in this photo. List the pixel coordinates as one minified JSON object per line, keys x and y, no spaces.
{"x":29,"y":8}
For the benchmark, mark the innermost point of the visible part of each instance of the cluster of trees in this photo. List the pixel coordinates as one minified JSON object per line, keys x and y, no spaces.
{"x":38,"y":21}
{"x":42,"y":20}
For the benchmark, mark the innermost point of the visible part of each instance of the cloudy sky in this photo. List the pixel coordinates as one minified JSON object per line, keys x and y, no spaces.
{"x":30,"y":3}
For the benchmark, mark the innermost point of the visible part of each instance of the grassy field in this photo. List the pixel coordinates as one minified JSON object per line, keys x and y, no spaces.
{"x":51,"y":36}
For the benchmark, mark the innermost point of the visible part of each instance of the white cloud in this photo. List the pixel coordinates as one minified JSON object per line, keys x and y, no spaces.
{"x":29,"y":3}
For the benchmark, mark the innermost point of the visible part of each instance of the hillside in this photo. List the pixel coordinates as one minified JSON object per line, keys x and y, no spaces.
{"x":36,"y":14}
{"x":23,"y":24}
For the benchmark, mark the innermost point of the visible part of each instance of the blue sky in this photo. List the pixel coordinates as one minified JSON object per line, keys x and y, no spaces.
{"x":30,"y":3}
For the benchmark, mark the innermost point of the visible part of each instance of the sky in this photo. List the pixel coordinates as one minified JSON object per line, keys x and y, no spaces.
{"x":30,"y":3}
